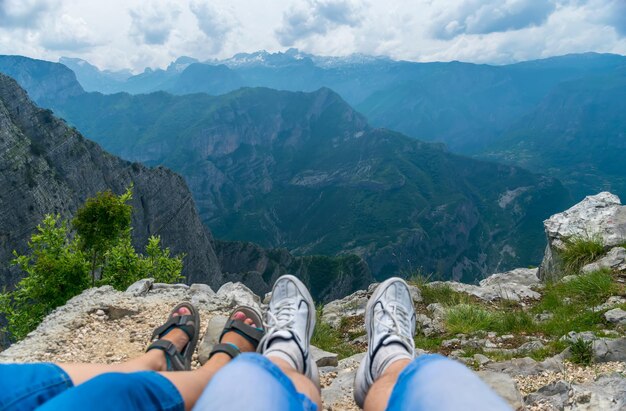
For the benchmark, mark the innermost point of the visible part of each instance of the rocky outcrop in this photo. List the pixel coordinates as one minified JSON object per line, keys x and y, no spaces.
{"x":48,"y":167}
{"x":515,"y":285}
{"x":600,"y":216}
{"x":613,"y":260}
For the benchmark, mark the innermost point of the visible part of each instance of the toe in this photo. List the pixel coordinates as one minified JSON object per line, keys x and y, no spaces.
{"x":239,"y":316}
{"x":182,"y":311}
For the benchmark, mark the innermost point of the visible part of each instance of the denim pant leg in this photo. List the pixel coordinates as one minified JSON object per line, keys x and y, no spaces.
{"x":435,"y":383}
{"x":138,"y":391}
{"x":252,"y":382}
{"x":24,"y":387}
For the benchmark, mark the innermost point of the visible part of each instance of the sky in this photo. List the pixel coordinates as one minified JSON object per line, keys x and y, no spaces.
{"x":135,"y":34}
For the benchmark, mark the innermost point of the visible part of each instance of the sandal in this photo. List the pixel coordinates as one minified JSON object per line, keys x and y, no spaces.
{"x":189,"y":324}
{"x":252,"y":334}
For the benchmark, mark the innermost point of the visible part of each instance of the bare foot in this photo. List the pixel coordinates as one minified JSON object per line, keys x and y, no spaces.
{"x":235,"y":338}
{"x":177,"y":336}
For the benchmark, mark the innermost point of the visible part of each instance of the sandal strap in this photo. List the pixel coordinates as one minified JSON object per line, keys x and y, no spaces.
{"x":184,"y":322}
{"x":229,"y":349}
{"x":252,"y":334}
{"x":175,"y":361}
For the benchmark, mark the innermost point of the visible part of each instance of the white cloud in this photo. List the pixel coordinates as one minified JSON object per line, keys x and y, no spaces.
{"x":153,"y":21}
{"x":139,"y":33}
{"x":318,"y":17}
{"x":23,"y":13}
{"x":488,"y":16}
{"x":214,"y":24}
{"x":67,"y":34}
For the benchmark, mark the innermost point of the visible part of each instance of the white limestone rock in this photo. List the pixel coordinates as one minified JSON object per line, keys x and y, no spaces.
{"x":600,"y":215}
{"x":615,"y":259}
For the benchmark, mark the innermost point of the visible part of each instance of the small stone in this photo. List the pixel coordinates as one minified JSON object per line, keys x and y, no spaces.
{"x":616,"y":316}
{"x":481,"y":359}
{"x":100,"y":312}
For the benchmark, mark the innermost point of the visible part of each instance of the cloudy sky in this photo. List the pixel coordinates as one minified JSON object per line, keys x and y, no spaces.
{"x":135,"y":34}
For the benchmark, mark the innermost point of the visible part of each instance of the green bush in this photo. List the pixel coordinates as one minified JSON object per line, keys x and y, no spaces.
{"x":123,"y":266}
{"x":582,"y":352}
{"x":56,"y":270}
{"x":579,"y":252}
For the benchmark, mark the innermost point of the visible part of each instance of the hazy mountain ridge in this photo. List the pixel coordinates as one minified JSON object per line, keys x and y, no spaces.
{"x":306,"y":172}
{"x":480,"y":110}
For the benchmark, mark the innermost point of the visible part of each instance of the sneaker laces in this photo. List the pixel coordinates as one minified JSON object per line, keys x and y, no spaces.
{"x":400,"y":324}
{"x":283,"y":318}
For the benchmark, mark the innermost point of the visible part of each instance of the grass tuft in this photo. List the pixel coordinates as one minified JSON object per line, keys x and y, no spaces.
{"x":330,"y":339}
{"x":580,"y":251}
{"x":471,"y":318}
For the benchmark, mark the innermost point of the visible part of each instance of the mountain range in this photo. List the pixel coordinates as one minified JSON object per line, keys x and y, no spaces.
{"x":48,"y":167}
{"x":305,"y":171}
{"x":509,"y":113}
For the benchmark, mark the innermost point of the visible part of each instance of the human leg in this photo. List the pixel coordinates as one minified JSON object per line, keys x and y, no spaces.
{"x":150,"y":390}
{"x":267,"y":388}
{"x":432,"y":382}
{"x":152,"y":360}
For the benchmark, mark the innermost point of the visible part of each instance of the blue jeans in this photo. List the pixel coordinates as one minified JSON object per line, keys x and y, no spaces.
{"x":25,"y":387}
{"x":250,"y":382}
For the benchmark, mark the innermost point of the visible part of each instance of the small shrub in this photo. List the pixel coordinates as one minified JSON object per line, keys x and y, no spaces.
{"x":582,"y":352}
{"x":581,"y":251}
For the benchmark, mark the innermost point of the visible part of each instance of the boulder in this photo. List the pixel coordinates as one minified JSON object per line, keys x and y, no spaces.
{"x":140,"y":287}
{"x":504,"y":385}
{"x":522,"y":276}
{"x":607,"y":350}
{"x":324,"y":358}
{"x":615,"y":259}
{"x":608,"y":392}
{"x":238,"y":294}
{"x":549,"y":397}
{"x":211,"y":336}
{"x":600,"y":215}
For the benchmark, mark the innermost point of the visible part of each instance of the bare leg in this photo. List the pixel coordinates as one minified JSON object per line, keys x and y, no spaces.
{"x":378,"y":395}
{"x":190,"y":384}
{"x":302,"y":383}
{"x":153,"y":360}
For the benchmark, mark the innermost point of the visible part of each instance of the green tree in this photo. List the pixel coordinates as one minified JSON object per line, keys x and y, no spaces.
{"x":158,"y":263}
{"x":100,"y":223}
{"x":56,"y":270}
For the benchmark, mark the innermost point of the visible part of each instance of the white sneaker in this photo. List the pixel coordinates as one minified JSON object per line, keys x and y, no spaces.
{"x":290,"y":324}
{"x":390,"y":325}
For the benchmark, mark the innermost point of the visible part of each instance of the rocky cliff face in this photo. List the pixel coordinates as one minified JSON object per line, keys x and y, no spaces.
{"x":48,"y":167}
